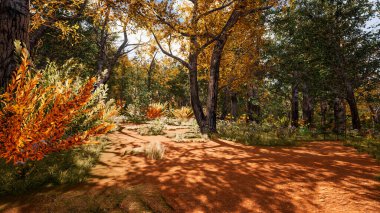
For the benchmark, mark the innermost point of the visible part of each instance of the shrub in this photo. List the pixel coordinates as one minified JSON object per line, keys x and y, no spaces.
{"x":155,"y":128}
{"x":134,"y":114}
{"x":66,"y":167}
{"x":370,"y":146}
{"x":155,"y":150}
{"x":40,"y":116}
{"x":183,"y":113}
{"x":254,"y":134}
{"x":155,"y":110}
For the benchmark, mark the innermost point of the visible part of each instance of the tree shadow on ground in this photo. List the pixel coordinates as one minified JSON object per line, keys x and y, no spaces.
{"x":221,"y":176}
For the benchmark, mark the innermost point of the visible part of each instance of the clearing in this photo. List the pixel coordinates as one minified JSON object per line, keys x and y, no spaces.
{"x":222,"y":176}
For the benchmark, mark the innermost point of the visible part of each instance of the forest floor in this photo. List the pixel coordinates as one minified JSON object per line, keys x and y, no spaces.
{"x":220,"y":176}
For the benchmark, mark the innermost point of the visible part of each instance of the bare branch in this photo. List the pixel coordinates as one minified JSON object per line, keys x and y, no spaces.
{"x":215,"y":10}
{"x":234,"y":17}
{"x":183,"y":62}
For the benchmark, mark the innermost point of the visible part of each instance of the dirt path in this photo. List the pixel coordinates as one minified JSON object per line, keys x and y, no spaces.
{"x":221,"y":176}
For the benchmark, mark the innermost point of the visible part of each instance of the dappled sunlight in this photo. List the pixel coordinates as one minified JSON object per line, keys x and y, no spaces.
{"x":220,"y":175}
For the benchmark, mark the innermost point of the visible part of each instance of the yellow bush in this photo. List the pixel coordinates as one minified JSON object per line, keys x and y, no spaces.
{"x":183,"y":113}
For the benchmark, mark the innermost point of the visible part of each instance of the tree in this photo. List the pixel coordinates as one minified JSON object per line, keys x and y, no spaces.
{"x":14,"y":25}
{"x":200,"y":24}
{"x":332,"y":55}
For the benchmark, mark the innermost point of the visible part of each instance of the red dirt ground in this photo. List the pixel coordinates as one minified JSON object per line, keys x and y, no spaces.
{"x":222,"y":176}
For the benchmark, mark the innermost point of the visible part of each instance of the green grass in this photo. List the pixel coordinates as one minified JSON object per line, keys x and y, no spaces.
{"x":154,"y":128}
{"x":253,"y":135}
{"x":370,"y":146}
{"x":66,"y":167}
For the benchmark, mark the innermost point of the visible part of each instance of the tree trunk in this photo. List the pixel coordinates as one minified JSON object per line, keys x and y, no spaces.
{"x":375,"y":112}
{"x":353,"y":108}
{"x":307,"y":107}
{"x":339,"y":116}
{"x":224,"y":103}
{"x":324,"y":108}
{"x":253,"y":109}
{"x":14,"y":25}
{"x":194,"y":94}
{"x":294,"y":108}
{"x":234,"y":105}
{"x":150,"y":71}
{"x":212,"y":98}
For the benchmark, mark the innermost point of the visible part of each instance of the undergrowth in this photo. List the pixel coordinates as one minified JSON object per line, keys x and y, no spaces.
{"x":370,"y":146}
{"x":251,"y":134}
{"x":65,"y":167}
{"x":156,"y":127}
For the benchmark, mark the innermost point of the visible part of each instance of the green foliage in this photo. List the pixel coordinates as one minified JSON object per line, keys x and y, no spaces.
{"x":156,"y":127}
{"x":84,"y":50}
{"x":367,"y":145}
{"x":253,"y":134}
{"x":67,"y":167}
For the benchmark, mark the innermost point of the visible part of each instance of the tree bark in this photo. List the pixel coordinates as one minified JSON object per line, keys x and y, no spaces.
{"x":194,"y":96}
{"x":253,"y":110}
{"x":294,"y":108}
{"x":351,"y":100}
{"x":150,"y":72}
{"x":307,"y":107}
{"x":339,"y":116}
{"x":224,"y":103}
{"x":234,"y":105}
{"x":212,"y":99}
{"x":324,"y":108}
{"x":14,"y":25}
{"x":375,"y":112}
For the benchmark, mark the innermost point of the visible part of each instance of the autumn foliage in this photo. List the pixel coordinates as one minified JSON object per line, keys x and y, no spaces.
{"x":34,"y":119}
{"x":155,"y":110}
{"x":183,"y":113}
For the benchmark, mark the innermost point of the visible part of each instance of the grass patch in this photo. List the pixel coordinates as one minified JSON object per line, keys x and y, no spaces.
{"x":153,"y":150}
{"x":66,"y":167}
{"x":155,"y":128}
{"x":140,"y":198}
{"x":370,"y":146}
{"x":250,"y":134}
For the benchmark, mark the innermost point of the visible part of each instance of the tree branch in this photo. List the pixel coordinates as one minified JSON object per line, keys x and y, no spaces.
{"x":215,"y":10}
{"x":183,"y":62}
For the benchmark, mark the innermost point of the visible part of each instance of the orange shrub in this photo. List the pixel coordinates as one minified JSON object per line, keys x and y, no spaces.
{"x":34,"y":119}
{"x":155,"y":111}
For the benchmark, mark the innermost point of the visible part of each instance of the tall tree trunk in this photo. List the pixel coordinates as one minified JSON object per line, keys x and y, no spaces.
{"x":375,"y":112}
{"x":351,"y":100}
{"x":339,"y":116}
{"x":324,"y":108}
{"x":14,"y":25}
{"x":224,"y":103}
{"x":212,"y":98}
{"x":150,"y":71}
{"x":194,"y":94}
{"x":253,"y":109}
{"x":294,"y":108}
{"x":307,"y":107}
{"x":234,"y":105}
